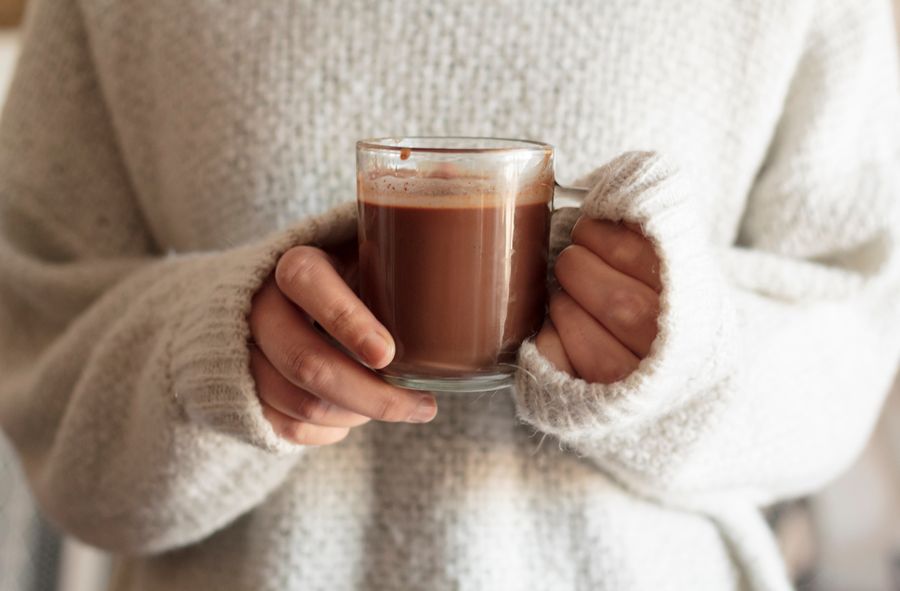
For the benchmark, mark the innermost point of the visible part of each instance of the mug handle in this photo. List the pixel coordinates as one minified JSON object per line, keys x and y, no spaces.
{"x":567,"y":196}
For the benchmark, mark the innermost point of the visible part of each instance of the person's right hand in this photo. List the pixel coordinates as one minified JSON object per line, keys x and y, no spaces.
{"x":312,"y":392}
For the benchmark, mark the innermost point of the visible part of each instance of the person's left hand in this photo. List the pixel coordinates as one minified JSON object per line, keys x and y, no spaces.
{"x":603,"y":321}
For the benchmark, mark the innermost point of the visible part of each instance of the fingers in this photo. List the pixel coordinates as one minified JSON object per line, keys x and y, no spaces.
{"x":299,"y":432}
{"x":627,"y":308}
{"x":294,"y":402}
{"x":595,"y":354}
{"x":622,"y":247}
{"x":308,"y":278}
{"x":550,"y":345}
{"x":308,"y":361}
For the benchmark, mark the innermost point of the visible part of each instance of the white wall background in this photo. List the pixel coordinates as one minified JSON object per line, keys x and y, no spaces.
{"x":858,"y":516}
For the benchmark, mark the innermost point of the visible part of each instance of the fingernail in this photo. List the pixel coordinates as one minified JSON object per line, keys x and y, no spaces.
{"x":425,"y":410}
{"x":374,"y":349}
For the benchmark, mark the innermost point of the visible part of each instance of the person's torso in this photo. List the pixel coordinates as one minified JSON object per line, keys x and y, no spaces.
{"x":238,"y":119}
{"x":472,"y":501}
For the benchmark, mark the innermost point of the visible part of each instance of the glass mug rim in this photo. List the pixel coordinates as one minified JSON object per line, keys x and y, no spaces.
{"x":431,"y":144}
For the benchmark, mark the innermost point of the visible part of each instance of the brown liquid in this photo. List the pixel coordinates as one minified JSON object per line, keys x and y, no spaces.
{"x":459,"y":288}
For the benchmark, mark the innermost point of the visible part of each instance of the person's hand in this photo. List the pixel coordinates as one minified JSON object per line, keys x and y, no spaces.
{"x":312,"y":392}
{"x":603,"y":321}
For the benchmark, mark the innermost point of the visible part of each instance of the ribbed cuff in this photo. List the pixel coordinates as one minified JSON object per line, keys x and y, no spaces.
{"x":693,"y":347}
{"x":209,"y":353}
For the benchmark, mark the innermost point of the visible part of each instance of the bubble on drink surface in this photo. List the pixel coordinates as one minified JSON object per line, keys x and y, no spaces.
{"x":416,"y":188}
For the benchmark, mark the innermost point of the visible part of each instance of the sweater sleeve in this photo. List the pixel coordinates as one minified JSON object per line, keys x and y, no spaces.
{"x":125,"y":383}
{"x":774,"y":355}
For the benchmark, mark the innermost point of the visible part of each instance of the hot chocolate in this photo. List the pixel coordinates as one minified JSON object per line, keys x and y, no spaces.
{"x":455,"y":270}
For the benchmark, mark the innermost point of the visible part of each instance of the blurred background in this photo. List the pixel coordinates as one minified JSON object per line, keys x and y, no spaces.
{"x":847,"y":538}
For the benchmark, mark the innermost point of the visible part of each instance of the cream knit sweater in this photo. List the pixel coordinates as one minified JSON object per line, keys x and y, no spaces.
{"x":156,"y":157}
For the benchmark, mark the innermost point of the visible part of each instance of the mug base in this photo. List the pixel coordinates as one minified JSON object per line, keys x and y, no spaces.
{"x":462,"y":385}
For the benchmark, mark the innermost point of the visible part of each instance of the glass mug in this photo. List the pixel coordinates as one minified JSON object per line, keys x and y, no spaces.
{"x":453,"y":244}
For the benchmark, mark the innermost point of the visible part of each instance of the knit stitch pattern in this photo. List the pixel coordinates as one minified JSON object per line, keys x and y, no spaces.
{"x":156,"y":158}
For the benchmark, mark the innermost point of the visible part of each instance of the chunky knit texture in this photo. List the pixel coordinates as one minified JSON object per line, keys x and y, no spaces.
{"x":157,"y":157}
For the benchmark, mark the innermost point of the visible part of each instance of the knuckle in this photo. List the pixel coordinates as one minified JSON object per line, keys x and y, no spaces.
{"x":578,"y":230}
{"x":631,"y":309}
{"x":389,"y":408}
{"x":298,"y":266}
{"x":564,"y":261}
{"x":343,"y":317}
{"x":310,"y":408}
{"x":624,"y":254}
{"x":298,"y":432}
{"x":310,"y":368}
{"x":587,"y":231}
